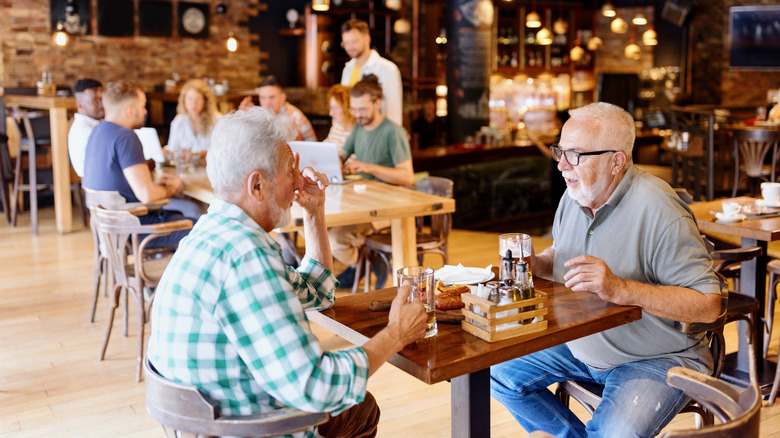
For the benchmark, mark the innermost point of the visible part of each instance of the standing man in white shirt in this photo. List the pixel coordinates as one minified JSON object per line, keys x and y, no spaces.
{"x":89,"y":112}
{"x":356,"y":41}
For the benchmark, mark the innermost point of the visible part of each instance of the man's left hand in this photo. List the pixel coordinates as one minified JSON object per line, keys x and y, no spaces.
{"x":588,"y":273}
{"x":353,"y":166}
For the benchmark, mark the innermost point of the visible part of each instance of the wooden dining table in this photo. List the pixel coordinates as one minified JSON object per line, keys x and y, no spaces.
{"x":754,"y":231}
{"x":58,"y":121}
{"x":464,"y":359}
{"x":356,"y":202}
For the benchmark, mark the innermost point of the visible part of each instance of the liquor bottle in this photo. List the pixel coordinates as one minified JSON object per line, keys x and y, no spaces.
{"x":508,"y":292}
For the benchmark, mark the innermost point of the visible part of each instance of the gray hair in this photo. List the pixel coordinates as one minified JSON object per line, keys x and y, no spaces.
{"x":242,"y":142}
{"x":620,"y":131}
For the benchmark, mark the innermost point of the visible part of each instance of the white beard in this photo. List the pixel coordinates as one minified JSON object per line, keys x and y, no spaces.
{"x":281,"y":216}
{"x":585,"y":196}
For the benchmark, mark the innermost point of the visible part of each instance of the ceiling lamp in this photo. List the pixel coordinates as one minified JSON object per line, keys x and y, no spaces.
{"x":576,"y":53}
{"x":402,"y":26}
{"x":594,"y":43}
{"x":393,"y":4}
{"x":232,"y":43}
{"x":608,"y":10}
{"x":560,"y":26}
{"x":533,"y":20}
{"x":320,"y":5}
{"x":632,"y":51}
{"x":639,"y":19}
{"x":619,"y":25}
{"x":650,"y":38}
{"x":60,"y":37}
{"x":544,"y":37}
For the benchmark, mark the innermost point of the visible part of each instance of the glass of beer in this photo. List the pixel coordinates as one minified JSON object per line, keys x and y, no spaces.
{"x":420,"y":280}
{"x":519,"y":244}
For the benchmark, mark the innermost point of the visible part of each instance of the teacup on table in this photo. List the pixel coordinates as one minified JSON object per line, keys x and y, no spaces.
{"x":731,"y":208}
{"x":770,"y":191}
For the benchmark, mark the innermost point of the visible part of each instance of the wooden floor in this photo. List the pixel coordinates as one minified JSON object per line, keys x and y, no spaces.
{"x":52,"y":384}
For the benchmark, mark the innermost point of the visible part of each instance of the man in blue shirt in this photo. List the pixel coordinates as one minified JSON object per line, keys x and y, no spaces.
{"x":115,"y":159}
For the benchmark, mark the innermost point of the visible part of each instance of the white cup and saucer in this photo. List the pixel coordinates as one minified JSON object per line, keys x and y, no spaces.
{"x":770,"y":191}
{"x":730,"y":213}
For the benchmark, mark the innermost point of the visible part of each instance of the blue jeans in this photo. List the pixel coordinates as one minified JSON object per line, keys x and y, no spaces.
{"x":636,"y":402}
{"x":160,"y":216}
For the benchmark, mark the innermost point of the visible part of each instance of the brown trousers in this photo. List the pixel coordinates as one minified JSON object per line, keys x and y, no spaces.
{"x":359,"y":421}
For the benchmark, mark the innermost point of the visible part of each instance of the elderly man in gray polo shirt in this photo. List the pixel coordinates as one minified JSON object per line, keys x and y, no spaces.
{"x":624,"y":235}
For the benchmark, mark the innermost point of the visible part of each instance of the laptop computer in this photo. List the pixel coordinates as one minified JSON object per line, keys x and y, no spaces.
{"x":151,"y":143}
{"x":322,"y":157}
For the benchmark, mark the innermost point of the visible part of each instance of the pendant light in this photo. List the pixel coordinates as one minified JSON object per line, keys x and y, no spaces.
{"x":232,"y":43}
{"x":632,"y":50}
{"x":639,"y":19}
{"x":594,"y":43}
{"x":560,"y":26}
{"x":533,"y":20}
{"x":393,"y":4}
{"x":619,"y":25}
{"x":320,"y":5}
{"x":60,"y":37}
{"x":608,"y":10}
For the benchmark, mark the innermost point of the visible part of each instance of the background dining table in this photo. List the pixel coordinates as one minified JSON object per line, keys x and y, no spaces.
{"x":356,"y":202}
{"x":464,"y":359}
{"x":754,"y":231}
{"x":58,"y":121}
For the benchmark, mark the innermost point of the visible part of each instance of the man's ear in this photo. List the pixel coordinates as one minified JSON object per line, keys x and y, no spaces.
{"x":254,"y":185}
{"x":620,"y":162}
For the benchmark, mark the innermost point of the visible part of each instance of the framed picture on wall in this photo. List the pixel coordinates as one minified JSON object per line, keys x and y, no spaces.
{"x":193,"y":20}
{"x":116,"y":17}
{"x":155,"y":18}
{"x":76,"y":21}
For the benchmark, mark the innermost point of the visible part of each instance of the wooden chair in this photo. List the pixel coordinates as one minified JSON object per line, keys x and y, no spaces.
{"x":589,"y":394}
{"x":119,"y":230}
{"x":34,"y":138}
{"x":433,"y":242}
{"x":751,"y":147}
{"x":739,"y":411}
{"x":183,"y":411}
{"x":773,"y":269}
{"x":6,"y":175}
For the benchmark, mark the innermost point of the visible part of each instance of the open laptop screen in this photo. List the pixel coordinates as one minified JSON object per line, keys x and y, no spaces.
{"x":322,"y":157}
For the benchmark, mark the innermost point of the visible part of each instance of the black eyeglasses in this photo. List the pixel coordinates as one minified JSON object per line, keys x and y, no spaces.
{"x":572,"y":157}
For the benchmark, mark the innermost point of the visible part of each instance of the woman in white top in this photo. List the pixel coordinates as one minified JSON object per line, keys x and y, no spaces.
{"x":196,"y":115}
{"x":343,"y":122}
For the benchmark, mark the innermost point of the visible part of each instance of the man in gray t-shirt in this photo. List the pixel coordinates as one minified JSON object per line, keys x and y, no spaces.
{"x":624,"y":235}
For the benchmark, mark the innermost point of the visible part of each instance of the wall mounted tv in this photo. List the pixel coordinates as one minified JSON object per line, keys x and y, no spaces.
{"x":754,"y":33}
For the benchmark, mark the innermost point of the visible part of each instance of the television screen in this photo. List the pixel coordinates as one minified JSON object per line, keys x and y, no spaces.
{"x":755,"y":37}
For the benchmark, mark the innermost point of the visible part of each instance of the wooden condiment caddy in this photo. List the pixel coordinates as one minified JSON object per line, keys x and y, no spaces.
{"x":487,"y":331}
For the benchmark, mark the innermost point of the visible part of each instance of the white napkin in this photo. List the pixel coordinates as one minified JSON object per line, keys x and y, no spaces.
{"x":462,"y":275}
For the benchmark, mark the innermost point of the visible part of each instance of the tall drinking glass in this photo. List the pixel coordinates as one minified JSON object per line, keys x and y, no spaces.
{"x":420,"y":279}
{"x":519,"y":244}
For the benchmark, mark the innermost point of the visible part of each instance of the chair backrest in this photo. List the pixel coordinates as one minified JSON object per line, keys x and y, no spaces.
{"x":738,"y":411}
{"x":31,"y":125}
{"x":111,"y":200}
{"x":752,"y":145}
{"x":434,"y":185}
{"x":184,"y":408}
{"x":117,"y":230}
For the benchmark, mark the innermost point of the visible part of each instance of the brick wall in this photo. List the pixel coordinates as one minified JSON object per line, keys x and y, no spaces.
{"x":26,"y":50}
{"x":712,"y":81}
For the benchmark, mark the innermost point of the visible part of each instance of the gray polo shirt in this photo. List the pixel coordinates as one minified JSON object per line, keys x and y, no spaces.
{"x":644,"y":233}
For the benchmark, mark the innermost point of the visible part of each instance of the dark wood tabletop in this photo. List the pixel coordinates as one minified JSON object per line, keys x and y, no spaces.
{"x":454,"y":352}
{"x":763,"y":229}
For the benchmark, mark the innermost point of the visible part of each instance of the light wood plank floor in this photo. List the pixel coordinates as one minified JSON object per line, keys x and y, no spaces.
{"x":51,"y":383}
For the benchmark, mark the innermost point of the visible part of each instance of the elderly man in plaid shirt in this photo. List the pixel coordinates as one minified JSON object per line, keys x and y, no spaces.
{"x":228,"y":316}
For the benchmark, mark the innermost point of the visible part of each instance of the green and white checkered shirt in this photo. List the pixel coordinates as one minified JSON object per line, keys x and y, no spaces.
{"x":228,"y":317}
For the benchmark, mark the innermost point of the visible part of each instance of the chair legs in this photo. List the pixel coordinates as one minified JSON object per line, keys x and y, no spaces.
{"x":774,"y":280}
{"x":113,"y":303}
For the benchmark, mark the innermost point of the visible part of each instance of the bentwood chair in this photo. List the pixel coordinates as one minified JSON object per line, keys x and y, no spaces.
{"x":6,"y":176}
{"x":751,"y":147}
{"x":185,"y":412}
{"x":122,"y":234}
{"x":589,"y":394}
{"x":432,"y":242}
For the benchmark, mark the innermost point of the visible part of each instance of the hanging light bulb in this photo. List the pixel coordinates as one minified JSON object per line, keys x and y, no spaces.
{"x":576,"y":53}
{"x":442,"y":37}
{"x":402,"y":26}
{"x":544,"y":37}
{"x":533,"y":20}
{"x":632,"y":51}
{"x":320,"y":5}
{"x":60,"y":37}
{"x":393,"y":4}
{"x":594,"y":43}
{"x":560,"y":26}
{"x":232,"y":43}
{"x":650,"y":38}
{"x":619,"y":25}
{"x":608,"y":10}
{"x":639,"y":19}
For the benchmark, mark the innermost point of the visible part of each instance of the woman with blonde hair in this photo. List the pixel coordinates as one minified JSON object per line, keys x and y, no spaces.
{"x":196,"y":115}
{"x":343,"y":121}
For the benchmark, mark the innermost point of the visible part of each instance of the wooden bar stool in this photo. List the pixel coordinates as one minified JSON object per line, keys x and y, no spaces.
{"x":751,"y":147}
